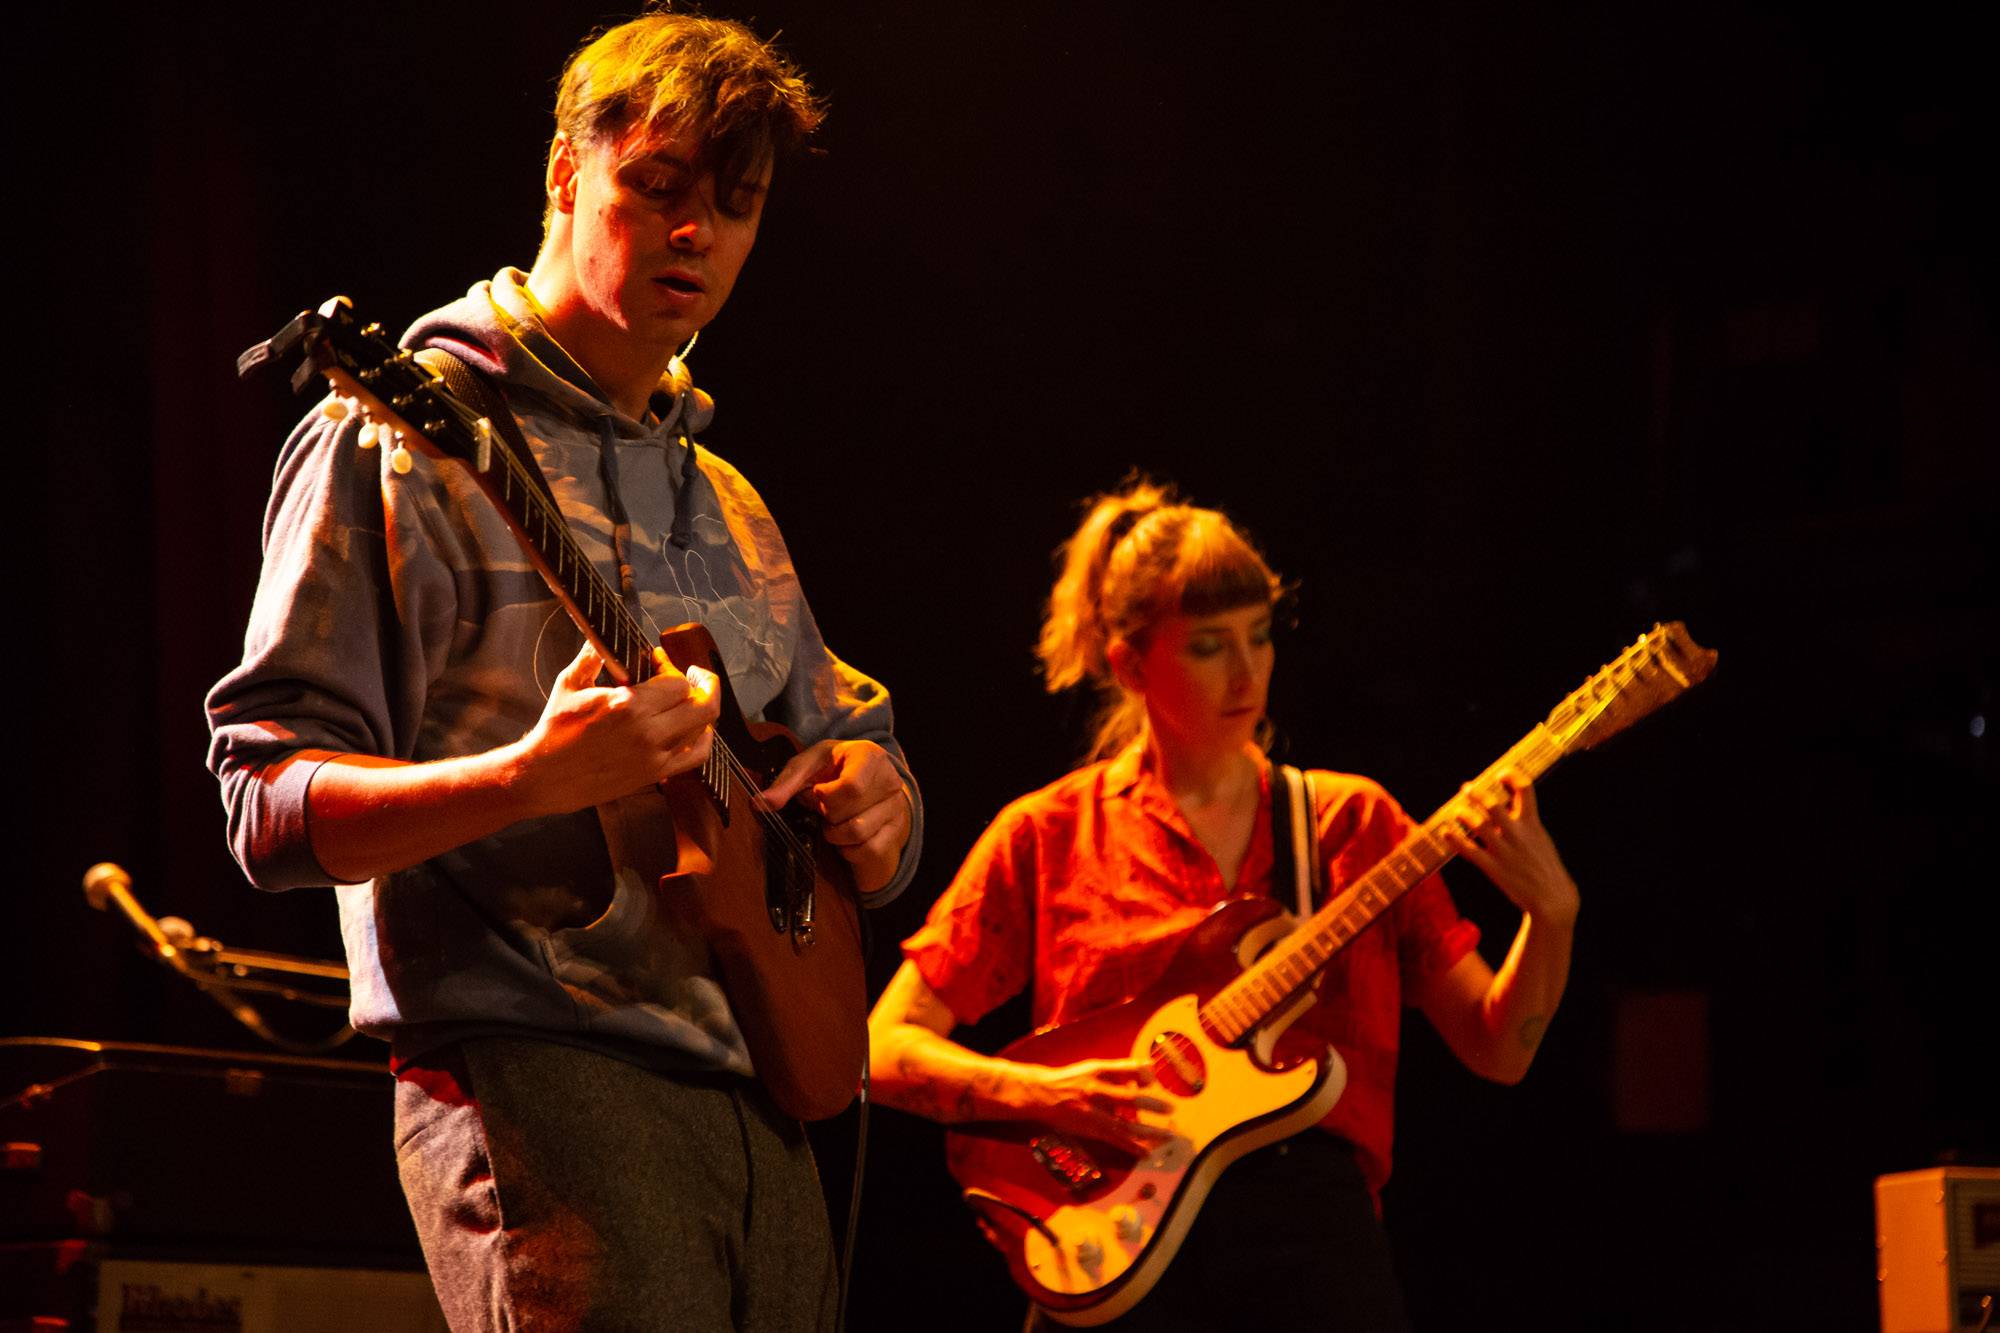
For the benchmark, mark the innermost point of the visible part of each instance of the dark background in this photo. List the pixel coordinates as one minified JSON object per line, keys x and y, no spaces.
{"x":1508,"y":330}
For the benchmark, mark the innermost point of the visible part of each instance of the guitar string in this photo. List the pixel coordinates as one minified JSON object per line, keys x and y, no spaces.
{"x":641,"y":668}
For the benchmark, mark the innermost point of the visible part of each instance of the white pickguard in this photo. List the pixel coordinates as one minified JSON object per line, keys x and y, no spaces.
{"x":1142,"y":1222}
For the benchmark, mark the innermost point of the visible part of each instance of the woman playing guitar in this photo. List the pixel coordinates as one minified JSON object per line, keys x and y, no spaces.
{"x":1082,"y":891}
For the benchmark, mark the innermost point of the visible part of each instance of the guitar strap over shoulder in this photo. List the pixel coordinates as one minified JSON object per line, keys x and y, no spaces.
{"x":1295,"y":864}
{"x":476,"y":389}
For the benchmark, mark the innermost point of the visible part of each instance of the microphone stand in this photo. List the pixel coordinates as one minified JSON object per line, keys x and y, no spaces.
{"x":223,"y":974}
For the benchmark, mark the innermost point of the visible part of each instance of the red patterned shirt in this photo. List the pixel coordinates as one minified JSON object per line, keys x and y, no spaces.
{"x":1085,"y":889}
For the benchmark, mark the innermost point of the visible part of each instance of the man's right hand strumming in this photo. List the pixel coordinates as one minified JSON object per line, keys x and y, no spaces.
{"x":371,"y":816}
{"x":595,"y":743}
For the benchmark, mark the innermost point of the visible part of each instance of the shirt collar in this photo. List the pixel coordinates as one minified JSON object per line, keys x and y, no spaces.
{"x":1127,"y":769}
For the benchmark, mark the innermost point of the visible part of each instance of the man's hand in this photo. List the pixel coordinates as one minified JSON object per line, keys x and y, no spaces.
{"x":372,"y":816}
{"x":860,"y":799}
{"x":595,"y":743}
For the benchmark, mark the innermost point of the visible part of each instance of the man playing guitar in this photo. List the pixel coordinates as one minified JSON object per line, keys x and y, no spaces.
{"x":578,"y":1128}
{"x":1083,"y":892}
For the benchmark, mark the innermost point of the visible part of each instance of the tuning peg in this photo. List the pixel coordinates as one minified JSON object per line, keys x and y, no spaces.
{"x":399,"y":457}
{"x":369,"y":430}
{"x":334,"y":409}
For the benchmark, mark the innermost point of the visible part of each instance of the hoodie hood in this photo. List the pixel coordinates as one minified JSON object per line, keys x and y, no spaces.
{"x":497,"y":326}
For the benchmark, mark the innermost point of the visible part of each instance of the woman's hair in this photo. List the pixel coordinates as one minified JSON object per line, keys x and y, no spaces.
{"x":1141,"y":553}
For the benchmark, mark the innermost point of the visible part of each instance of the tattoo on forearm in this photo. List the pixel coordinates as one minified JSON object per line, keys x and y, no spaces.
{"x":918,"y":1095}
{"x":924,"y":1093}
{"x":1531,"y":1032}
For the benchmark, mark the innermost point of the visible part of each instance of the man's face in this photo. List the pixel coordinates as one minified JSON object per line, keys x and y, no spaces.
{"x":655,"y":251}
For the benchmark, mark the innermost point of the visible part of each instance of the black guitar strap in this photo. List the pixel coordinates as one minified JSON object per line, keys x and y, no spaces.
{"x":476,"y":390}
{"x":1295,"y":868}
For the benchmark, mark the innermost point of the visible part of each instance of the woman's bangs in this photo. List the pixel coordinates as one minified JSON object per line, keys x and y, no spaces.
{"x":1222,"y":572}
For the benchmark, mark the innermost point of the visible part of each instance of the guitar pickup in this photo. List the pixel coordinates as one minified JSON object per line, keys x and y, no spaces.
{"x":1073,"y":1168}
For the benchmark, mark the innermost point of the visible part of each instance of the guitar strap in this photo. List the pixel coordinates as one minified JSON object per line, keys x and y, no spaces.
{"x":477,"y":389}
{"x":472,"y":385}
{"x":1296,"y":872}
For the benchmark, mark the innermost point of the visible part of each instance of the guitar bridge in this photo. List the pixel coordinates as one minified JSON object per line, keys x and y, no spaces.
{"x":789,"y":893}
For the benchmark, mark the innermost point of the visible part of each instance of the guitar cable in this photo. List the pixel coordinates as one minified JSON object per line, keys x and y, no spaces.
{"x":860,"y":1149}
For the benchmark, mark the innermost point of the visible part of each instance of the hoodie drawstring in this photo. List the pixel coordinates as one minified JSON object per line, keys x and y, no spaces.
{"x":682,"y":532}
{"x":614,"y":504}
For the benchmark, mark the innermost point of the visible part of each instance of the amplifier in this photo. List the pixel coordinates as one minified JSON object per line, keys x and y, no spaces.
{"x":97,"y":1286}
{"x":1937,"y":1246}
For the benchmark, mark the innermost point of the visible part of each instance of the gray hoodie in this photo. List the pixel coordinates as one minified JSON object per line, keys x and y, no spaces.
{"x":397,"y":616}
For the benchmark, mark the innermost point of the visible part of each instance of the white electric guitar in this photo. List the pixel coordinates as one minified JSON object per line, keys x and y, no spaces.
{"x":1086,"y":1227}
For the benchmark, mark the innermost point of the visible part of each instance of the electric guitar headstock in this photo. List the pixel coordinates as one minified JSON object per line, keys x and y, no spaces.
{"x":404,"y":404}
{"x":1664,"y":663}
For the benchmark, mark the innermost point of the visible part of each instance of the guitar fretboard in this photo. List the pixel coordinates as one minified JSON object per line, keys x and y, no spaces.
{"x":1657,"y":668}
{"x":575,"y":579}
{"x":601,"y":612}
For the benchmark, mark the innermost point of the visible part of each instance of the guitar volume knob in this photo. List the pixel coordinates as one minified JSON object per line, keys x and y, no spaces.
{"x":1126,"y":1221}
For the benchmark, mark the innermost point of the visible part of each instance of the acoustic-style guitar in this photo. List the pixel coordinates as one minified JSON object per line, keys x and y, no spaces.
{"x":775,"y":903}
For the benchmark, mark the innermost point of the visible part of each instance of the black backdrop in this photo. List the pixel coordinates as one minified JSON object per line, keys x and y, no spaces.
{"x":1509,"y":330}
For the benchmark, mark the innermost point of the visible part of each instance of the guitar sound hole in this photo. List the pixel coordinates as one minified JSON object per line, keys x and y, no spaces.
{"x":1178,"y":1065}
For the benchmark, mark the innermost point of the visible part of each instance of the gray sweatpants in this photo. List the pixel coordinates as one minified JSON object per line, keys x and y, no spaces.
{"x":559,"y":1188}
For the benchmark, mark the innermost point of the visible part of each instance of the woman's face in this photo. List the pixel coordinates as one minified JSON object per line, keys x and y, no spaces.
{"x":1205,"y":678}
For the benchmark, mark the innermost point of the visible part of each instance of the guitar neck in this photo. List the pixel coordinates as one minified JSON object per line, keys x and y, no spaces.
{"x":410,"y":404}
{"x":1659,"y":667}
{"x":596,"y":607}
{"x":1295,"y":960}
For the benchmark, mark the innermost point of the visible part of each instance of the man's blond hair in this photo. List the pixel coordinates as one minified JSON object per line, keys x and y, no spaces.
{"x":740,"y":99}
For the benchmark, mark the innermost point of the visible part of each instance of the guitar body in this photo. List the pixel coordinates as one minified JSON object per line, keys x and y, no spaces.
{"x":1086,"y":1228}
{"x":775,"y":906}
{"x":779,"y":913}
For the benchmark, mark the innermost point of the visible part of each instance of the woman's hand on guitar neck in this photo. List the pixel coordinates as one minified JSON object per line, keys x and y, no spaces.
{"x":595,"y":743}
{"x":1514,"y":850}
{"x":1495,"y":1021}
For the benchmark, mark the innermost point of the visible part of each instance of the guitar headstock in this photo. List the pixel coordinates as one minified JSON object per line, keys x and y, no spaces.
{"x":1662,"y":665}
{"x":403,"y":402}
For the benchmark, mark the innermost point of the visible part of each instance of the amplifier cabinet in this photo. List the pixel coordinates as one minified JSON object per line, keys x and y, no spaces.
{"x":1937,"y":1246}
{"x":113,"y":1289}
